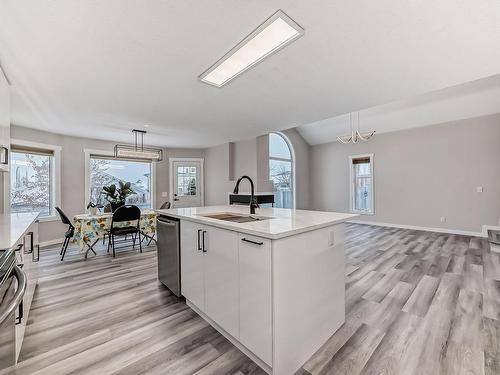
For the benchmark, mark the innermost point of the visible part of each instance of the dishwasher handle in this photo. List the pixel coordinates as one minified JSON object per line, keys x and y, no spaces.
{"x":166,"y":222}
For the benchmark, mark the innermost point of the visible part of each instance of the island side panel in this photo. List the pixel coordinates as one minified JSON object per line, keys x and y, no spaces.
{"x":308,"y":294}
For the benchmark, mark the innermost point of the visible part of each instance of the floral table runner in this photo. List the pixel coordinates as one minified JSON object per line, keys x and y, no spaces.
{"x":89,"y":228}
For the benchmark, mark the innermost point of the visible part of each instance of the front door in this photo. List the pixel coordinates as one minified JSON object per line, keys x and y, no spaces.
{"x":187,"y":183}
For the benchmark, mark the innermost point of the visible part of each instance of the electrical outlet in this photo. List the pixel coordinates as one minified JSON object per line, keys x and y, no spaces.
{"x":479,"y":189}
{"x":443,"y":219}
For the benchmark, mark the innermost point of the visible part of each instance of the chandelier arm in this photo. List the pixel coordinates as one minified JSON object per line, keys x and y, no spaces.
{"x":345,"y":140}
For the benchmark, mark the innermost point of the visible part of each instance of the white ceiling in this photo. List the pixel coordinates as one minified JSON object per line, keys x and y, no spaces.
{"x":101,"y":68}
{"x":472,"y":99}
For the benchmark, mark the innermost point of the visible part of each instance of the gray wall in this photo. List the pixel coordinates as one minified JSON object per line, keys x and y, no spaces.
{"x":421,"y":175}
{"x":73,"y":172}
{"x":227,"y":162}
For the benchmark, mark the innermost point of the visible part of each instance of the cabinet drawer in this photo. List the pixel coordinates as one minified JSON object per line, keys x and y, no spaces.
{"x":255,"y":295}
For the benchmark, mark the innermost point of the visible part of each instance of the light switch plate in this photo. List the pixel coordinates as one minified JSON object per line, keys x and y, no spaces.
{"x":479,"y":189}
{"x":164,"y":194}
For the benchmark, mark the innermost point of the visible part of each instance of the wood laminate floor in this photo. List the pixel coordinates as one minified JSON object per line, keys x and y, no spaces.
{"x":417,"y":303}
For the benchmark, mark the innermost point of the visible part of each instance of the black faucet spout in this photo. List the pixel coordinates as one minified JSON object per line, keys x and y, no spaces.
{"x":253,"y":203}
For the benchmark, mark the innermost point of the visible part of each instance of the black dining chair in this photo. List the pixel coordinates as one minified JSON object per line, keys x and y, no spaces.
{"x":68,"y":235}
{"x":165,"y":206}
{"x":124,"y":214}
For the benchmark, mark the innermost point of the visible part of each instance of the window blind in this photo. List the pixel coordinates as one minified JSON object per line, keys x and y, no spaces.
{"x":32,"y":150}
{"x":108,"y":157}
{"x":364,"y":160}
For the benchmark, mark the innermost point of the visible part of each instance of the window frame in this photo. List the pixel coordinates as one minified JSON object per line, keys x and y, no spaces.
{"x":111,"y":155}
{"x":55,"y":176}
{"x":352,"y":203}
{"x":291,"y":160}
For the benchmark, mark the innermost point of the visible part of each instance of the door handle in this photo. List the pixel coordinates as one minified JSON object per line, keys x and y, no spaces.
{"x":254,"y":242}
{"x":203,"y":240}
{"x":199,"y":231}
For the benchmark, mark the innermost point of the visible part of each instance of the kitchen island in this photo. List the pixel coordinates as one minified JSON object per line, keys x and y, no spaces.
{"x":272,"y":283}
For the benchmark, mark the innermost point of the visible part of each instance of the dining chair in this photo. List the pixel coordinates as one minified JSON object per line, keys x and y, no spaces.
{"x":123,"y":214}
{"x":68,"y":235}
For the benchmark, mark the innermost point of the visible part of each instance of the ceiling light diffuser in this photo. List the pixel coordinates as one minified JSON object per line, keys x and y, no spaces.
{"x":276,"y":32}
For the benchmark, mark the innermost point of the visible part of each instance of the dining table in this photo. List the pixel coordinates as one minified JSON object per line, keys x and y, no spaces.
{"x":90,"y":228}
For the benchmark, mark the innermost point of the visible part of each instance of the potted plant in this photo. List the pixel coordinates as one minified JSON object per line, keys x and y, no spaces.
{"x":117,"y":196}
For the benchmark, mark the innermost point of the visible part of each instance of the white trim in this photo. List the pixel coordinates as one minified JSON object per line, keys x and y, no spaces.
{"x":56,"y":182}
{"x":415,"y":227}
{"x":89,"y":151}
{"x":171,"y":177}
{"x":351,"y":185}
{"x":292,"y":160}
{"x":44,"y":219}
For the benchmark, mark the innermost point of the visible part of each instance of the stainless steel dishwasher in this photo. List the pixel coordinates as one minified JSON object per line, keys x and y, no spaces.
{"x":169,"y":257}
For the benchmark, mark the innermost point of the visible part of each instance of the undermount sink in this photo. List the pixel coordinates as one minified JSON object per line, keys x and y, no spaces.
{"x":235,"y":218}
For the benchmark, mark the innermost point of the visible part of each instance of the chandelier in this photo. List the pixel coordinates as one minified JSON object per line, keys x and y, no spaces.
{"x":138,"y":150}
{"x":356,"y":135}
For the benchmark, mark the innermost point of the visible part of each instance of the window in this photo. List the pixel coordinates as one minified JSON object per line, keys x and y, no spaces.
{"x":105,"y":171}
{"x":186,"y":181}
{"x":281,"y":171}
{"x":361,"y":184}
{"x":33,"y":184}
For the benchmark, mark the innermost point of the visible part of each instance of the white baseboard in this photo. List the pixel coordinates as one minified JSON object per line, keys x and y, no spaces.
{"x":426,"y":229}
{"x":51,"y":242}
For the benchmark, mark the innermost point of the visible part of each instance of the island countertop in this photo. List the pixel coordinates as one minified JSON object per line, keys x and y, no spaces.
{"x":282,"y":222}
{"x":13,"y":227}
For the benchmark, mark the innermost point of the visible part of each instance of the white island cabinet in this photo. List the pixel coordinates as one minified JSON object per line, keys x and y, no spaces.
{"x":274,"y":287}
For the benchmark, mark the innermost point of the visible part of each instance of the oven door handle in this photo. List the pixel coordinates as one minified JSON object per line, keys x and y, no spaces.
{"x":7,"y":309}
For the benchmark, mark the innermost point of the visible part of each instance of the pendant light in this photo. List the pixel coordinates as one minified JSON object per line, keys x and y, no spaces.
{"x":138,"y":150}
{"x":356,"y":135}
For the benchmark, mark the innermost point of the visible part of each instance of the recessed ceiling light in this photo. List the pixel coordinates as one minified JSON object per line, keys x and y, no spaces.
{"x":276,"y":32}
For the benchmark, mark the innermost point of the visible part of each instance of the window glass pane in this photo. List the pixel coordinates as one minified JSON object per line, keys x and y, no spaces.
{"x":30,"y":179}
{"x":278,"y":148}
{"x":280,"y":172}
{"x":186,"y":181}
{"x":104,"y":172}
{"x":363,"y":187}
{"x":363,"y":194}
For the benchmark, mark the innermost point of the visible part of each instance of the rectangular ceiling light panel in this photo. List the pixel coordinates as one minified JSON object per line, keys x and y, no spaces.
{"x":275,"y":33}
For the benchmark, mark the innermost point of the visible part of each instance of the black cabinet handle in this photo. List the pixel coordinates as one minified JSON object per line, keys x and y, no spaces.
{"x":254,"y":242}
{"x":203,"y":240}
{"x":199,"y":246}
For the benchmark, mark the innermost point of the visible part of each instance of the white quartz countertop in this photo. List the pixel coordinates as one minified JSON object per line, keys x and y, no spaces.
{"x":283,"y":222}
{"x":13,"y":227}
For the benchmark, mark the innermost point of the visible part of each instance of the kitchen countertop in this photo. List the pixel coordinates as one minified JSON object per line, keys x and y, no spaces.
{"x":284,"y":222}
{"x":13,"y":227}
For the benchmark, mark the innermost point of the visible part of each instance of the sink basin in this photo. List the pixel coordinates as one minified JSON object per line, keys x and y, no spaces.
{"x":235,"y":218}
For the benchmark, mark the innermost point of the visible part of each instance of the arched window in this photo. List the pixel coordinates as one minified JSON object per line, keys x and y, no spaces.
{"x":281,"y":170}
